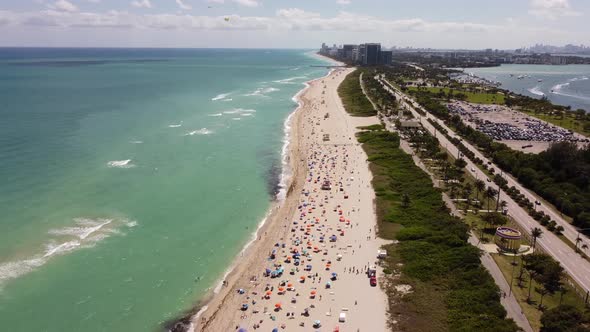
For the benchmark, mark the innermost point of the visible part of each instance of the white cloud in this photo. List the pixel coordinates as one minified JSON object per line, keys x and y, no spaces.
{"x":247,"y":3}
{"x":183,"y":5}
{"x":93,"y":1}
{"x":343,"y":2}
{"x":551,"y":9}
{"x":63,"y":5}
{"x":141,"y":4}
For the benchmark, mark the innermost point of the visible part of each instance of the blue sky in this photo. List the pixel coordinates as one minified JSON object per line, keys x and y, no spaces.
{"x":473,"y":24}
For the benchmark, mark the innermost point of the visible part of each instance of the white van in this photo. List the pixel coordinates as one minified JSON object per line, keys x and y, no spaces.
{"x":342,"y":317}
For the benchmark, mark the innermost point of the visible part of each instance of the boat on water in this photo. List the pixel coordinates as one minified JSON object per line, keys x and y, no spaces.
{"x":520,"y":77}
{"x":539,"y":80}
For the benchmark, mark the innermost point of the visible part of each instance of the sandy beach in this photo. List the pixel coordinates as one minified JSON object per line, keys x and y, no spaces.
{"x":309,"y":263}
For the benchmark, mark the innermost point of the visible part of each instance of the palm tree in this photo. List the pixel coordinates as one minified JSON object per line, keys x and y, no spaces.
{"x":542,"y":291}
{"x":503,"y":205}
{"x":467,"y":190}
{"x":490,"y":194}
{"x":536,"y":233}
{"x":479,"y":187}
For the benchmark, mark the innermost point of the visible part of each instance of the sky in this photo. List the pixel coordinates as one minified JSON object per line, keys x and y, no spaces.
{"x":467,"y":24}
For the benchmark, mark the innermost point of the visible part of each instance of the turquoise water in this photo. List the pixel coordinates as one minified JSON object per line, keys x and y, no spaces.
{"x":563,"y":85}
{"x":132,"y":178}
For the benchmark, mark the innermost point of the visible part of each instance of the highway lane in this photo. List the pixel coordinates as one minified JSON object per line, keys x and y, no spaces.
{"x":577,"y":267}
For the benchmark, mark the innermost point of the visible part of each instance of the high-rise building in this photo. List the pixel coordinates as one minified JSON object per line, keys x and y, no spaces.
{"x":372,"y":54}
{"x":362,"y":54}
{"x":386,"y":57}
{"x":347,"y":50}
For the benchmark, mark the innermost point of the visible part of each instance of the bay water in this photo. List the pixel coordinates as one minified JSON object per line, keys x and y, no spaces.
{"x":131,"y":178}
{"x":564,"y":85}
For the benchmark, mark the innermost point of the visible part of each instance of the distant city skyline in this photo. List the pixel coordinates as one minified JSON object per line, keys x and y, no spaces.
{"x":502,"y":24}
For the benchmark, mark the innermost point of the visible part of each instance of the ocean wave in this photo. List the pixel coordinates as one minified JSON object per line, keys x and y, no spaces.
{"x":85,"y":233}
{"x":261,"y":92}
{"x":236,"y":119}
{"x":215,"y":114}
{"x":221,"y":96}
{"x":536,"y":91}
{"x":136,"y":142}
{"x":290,"y":80}
{"x":202,"y":131}
{"x":120,"y":163}
{"x":239,"y":111}
{"x":227,"y":99}
{"x":175,"y":125}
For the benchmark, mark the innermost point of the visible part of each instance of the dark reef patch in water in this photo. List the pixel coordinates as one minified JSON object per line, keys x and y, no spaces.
{"x":270,"y":161}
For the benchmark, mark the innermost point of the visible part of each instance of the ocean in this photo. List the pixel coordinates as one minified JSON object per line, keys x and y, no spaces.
{"x":563,"y":85}
{"x":132,"y":178}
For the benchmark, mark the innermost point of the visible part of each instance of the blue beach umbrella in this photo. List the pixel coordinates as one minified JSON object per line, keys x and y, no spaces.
{"x":275,"y":330}
{"x":242,"y":330}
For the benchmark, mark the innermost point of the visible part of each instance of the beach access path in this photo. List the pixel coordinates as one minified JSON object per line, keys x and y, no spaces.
{"x":323,"y":147}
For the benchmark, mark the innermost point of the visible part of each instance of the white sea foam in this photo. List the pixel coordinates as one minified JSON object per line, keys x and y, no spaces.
{"x":227,"y":99}
{"x":136,"y":142}
{"x":221,"y":96}
{"x":290,"y":80}
{"x":241,"y":111}
{"x":85,"y":233}
{"x":536,"y":90}
{"x":175,"y":125}
{"x":262,"y":92}
{"x":215,"y":114}
{"x":236,"y":119}
{"x":121,"y":163}
{"x":285,"y":176}
{"x":202,"y":131}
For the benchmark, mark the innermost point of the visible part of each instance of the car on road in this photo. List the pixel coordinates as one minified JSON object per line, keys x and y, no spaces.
{"x":373,"y":281}
{"x":537,"y":202}
{"x":472,"y":169}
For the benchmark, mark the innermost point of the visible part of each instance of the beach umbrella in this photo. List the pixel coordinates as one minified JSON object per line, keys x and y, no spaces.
{"x":281,"y":289}
{"x":275,"y":330}
{"x":278,"y":305}
{"x":268,"y":293}
{"x":313,"y":292}
{"x":242,"y":329}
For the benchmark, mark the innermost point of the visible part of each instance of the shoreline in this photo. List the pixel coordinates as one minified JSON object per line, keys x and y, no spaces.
{"x":221,"y":311}
{"x":189,"y":321}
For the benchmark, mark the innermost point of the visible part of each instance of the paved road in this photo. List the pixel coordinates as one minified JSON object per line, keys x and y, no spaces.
{"x":577,"y":267}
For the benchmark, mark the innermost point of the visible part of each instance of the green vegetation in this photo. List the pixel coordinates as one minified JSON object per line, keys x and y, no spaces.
{"x":538,"y":286}
{"x":462,"y":94}
{"x":353,"y":98}
{"x":568,"y":120}
{"x":565,"y":318}
{"x":452,"y":291}
{"x":385,"y":101}
{"x":576,"y":120}
{"x":560,"y":174}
